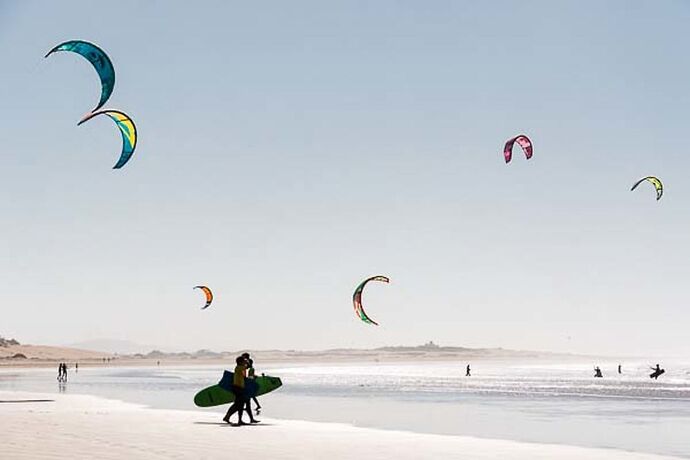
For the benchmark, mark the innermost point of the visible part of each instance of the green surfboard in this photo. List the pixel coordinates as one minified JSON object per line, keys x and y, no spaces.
{"x":216,"y":395}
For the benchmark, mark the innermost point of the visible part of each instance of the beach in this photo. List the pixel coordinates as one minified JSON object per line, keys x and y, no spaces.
{"x":81,"y":427}
{"x":521,"y":404}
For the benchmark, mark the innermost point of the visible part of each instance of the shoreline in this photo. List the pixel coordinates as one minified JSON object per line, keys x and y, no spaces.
{"x":84,"y":426}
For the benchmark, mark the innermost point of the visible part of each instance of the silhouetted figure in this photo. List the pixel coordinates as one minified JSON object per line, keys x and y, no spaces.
{"x":76,"y":367}
{"x":597,"y":372}
{"x":620,"y":370}
{"x":62,"y":373}
{"x":468,"y":373}
{"x":238,"y":390}
{"x":657,"y":372}
{"x":250,"y":375}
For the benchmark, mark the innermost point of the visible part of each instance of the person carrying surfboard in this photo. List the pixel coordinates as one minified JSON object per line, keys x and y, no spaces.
{"x":238,"y":391}
{"x":249,"y":364}
{"x":251,"y":374}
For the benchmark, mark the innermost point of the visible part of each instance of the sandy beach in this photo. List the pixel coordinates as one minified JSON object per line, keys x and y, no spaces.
{"x":81,"y":427}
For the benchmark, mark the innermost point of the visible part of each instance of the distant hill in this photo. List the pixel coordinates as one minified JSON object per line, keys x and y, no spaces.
{"x":428,"y":351}
{"x":123,"y":352}
{"x":4,"y":343}
{"x":113,"y":346}
{"x":24,"y":354}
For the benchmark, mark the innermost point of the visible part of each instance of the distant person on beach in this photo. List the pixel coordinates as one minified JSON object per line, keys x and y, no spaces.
{"x":620,"y":371}
{"x":597,"y":372}
{"x":62,"y":372}
{"x":238,"y":390}
{"x":251,"y":374}
{"x":467,"y":373}
{"x":76,"y":367}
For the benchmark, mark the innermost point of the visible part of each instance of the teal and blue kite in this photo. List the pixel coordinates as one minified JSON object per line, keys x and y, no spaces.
{"x":100,"y":61}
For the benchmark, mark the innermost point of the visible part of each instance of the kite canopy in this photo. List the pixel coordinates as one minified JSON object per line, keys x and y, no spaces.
{"x":357,"y":298}
{"x":523,"y":141}
{"x":658,"y":186}
{"x":127,"y":128}
{"x":208,"y":293}
{"x":100,"y":61}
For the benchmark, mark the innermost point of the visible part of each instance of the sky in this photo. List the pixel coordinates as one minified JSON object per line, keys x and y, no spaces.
{"x":288,"y":150}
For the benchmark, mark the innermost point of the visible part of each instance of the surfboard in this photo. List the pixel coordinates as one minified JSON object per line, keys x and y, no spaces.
{"x":219,"y":394}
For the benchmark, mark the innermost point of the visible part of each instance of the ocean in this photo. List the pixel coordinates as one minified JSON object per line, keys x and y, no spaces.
{"x":544,"y":402}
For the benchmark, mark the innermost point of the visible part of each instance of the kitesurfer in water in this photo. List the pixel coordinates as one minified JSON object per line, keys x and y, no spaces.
{"x":238,"y":391}
{"x":467,"y":373}
{"x":597,"y":372}
{"x":657,"y":372}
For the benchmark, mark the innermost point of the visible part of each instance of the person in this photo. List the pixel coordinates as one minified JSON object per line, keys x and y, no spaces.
{"x":597,"y":372}
{"x":76,"y":367}
{"x":59,"y":377}
{"x":64,"y":372}
{"x":238,"y":390}
{"x":657,"y":372}
{"x":620,"y":371}
{"x":252,"y":375}
{"x":467,"y":374}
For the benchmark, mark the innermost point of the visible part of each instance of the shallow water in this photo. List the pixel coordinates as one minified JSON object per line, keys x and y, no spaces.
{"x":529,"y":402}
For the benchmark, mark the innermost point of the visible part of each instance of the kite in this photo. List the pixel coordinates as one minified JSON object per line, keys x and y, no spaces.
{"x":127,"y":128}
{"x":100,"y":61}
{"x":357,"y":299}
{"x":209,"y":296}
{"x":658,"y":186}
{"x":523,"y":141}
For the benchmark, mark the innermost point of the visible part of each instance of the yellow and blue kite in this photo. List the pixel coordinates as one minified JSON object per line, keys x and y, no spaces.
{"x":127,"y":128}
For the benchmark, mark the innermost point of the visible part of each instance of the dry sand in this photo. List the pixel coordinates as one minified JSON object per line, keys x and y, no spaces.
{"x":86,"y":427}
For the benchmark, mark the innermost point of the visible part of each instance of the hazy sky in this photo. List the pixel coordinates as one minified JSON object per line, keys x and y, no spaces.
{"x":290,"y":149}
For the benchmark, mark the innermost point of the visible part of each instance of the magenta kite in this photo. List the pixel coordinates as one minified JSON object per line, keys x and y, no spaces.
{"x":523,"y":141}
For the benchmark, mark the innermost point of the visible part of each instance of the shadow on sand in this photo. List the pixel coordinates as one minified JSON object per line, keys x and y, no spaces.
{"x":27,"y":401}
{"x":233,"y":424}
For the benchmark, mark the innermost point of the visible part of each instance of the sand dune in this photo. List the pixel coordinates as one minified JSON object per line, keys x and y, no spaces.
{"x":17,"y":354}
{"x":37,"y":355}
{"x":86,"y":427}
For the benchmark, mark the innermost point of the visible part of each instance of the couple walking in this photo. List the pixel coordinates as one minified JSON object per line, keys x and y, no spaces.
{"x":62,"y":373}
{"x":244,"y":369}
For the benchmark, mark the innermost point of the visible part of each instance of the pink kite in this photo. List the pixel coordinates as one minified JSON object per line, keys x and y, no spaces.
{"x":523,"y":141}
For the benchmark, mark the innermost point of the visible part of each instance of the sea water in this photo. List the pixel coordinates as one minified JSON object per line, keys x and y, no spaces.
{"x":546,"y":403}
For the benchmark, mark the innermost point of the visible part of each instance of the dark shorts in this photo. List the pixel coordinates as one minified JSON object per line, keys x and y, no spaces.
{"x":239,"y":393}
